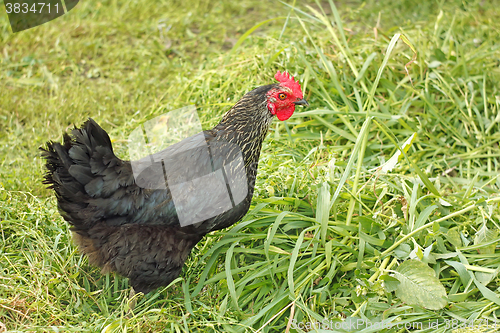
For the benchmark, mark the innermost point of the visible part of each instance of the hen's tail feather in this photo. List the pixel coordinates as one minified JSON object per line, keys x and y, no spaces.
{"x":76,"y":165}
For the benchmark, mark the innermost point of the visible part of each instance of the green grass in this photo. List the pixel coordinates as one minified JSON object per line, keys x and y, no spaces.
{"x":328,"y":228}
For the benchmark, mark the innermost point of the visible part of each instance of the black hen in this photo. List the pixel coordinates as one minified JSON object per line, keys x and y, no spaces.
{"x":126,"y":221}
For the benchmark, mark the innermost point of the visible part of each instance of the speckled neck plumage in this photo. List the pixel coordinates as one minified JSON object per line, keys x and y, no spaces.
{"x":247,"y":124}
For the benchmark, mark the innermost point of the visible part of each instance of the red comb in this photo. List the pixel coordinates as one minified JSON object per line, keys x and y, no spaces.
{"x":288,"y":81}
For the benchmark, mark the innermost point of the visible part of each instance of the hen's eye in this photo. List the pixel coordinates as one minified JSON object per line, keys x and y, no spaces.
{"x":282,"y":96}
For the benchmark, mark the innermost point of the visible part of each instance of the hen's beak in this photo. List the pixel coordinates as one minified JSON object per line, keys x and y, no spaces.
{"x":301,"y":102}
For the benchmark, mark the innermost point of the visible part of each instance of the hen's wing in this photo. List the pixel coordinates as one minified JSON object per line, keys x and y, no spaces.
{"x":203,"y":176}
{"x":92,"y":185}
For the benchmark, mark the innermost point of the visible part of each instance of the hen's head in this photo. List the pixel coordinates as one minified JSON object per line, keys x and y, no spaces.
{"x":282,"y":98}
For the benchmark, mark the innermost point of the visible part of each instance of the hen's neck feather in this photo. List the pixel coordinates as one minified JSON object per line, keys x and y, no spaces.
{"x":247,"y":123}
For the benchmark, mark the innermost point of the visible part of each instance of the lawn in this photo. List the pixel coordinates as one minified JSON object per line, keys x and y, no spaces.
{"x":376,"y":208}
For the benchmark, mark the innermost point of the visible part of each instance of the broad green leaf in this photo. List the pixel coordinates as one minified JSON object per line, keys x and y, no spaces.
{"x":402,"y":251}
{"x":390,"y":283}
{"x":420,"y":286}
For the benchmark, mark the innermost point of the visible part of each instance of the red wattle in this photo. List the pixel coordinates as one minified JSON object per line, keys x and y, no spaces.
{"x":284,"y":114}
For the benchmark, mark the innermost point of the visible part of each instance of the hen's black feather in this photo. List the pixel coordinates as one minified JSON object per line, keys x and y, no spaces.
{"x":135,"y":230}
